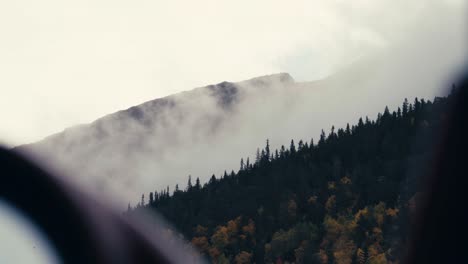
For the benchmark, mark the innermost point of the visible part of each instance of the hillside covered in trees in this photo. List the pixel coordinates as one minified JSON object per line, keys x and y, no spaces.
{"x":346,"y":198}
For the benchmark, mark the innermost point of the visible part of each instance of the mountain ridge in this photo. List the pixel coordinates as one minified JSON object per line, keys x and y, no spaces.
{"x":226,"y":88}
{"x":203,"y":130}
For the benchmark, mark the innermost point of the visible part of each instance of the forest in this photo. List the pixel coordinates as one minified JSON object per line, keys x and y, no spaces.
{"x":347,"y":197}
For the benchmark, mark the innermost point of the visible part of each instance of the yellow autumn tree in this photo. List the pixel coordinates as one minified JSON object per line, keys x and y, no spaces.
{"x":312,"y":199}
{"x":343,"y":250}
{"x":243,"y":258}
{"x":233,"y":226}
{"x":379,"y":213}
{"x":323,"y":257}
{"x":392,"y":212}
{"x":361,"y":256}
{"x":330,"y":204}
{"x":201,"y":243}
{"x":345,"y":180}
{"x":214,"y":253}
{"x":220,"y":238}
{"x":378,"y":259}
{"x":201,"y":230}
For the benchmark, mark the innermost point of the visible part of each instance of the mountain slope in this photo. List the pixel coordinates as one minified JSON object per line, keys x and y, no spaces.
{"x":205,"y":130}
{"x":118,"y":147}
{"x":344,"y":199}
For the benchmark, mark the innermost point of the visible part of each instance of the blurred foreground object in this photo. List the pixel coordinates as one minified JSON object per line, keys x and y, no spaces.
{"x":439,"y":230}
{"x":80,"y":229}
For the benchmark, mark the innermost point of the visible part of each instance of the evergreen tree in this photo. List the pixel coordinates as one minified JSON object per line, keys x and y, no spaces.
{"x":292,"y":147}
{"x":300,"y":145}
{"x":282,"y":151}
{"x":322,"y":138}
{"x":360,"y":123}
{"x":197,"y":184}
{"x":257,"y":156}
{"x":212,"y":179}
{"x":405,"y":107}
{"x":189,"y":183}
{"x":267,"y":149}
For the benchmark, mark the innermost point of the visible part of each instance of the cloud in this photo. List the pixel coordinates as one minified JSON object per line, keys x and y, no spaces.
{"x":65,"y":63}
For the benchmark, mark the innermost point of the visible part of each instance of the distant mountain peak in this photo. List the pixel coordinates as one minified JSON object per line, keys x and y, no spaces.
{"x":282,"y":77}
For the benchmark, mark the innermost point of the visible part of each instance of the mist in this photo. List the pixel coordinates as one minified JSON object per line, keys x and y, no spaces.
{"x":408,"y":51}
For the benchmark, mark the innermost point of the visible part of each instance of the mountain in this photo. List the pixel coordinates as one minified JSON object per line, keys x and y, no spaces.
{"x":345,"y":198}
{"x":205,"y":130}
{"x":119,"y":146}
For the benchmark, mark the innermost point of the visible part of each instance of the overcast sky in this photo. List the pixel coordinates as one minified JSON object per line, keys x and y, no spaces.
{"x":68,"y":62}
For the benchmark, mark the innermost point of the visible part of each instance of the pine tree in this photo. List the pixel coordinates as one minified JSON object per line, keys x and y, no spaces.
{"x":292,"y":147}
{"x":197,"y":184}
{"x":386,"y":111}
{"x":242,"y":164}
{"x":257,"y":156}
{"x":300,"y":145}
{"x":322,"y":138}
{"x":368,"y":122}
{"x":282,"y":151}
{"x":212,"y":179}
{"x":405,"y":107}
{"x":417,"y":104}
{"x":189,"y":183}
{"x":267,"y":149}
{"x":332,"y":133}
{"x":360,"y":123}
{"x":151,"y":198}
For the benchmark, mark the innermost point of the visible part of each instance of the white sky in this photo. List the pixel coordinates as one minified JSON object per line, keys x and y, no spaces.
{"x":68,"y":62}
